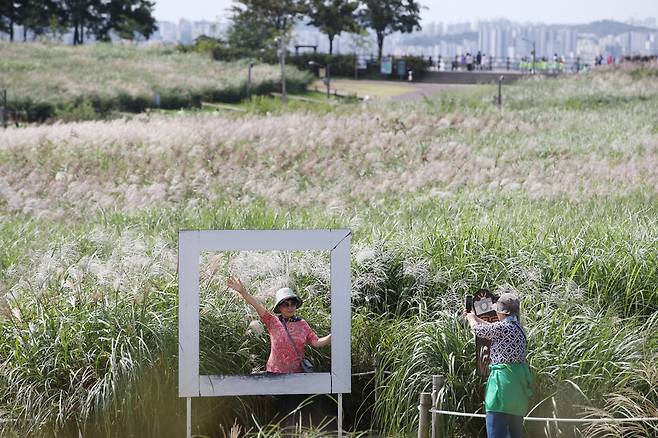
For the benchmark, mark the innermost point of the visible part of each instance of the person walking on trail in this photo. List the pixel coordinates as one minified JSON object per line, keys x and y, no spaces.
{"x":289,"y":334}
{"x":508,"y":386}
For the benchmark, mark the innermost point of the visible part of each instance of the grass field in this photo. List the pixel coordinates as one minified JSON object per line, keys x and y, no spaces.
{"x":59,"y":82}
{"x":554,"y":197}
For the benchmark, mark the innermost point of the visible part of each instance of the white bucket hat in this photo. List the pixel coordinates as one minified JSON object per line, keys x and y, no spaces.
{"x":283,"y":294}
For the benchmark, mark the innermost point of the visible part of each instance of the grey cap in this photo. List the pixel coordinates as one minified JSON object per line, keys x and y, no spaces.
{"x":508,"y":303}
{"x":285,"y":293}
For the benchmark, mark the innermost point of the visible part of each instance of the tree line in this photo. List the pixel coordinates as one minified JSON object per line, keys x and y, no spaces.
{"x":100,"y":18}
{"x":255,"y":23}
{"x":258,"y":22}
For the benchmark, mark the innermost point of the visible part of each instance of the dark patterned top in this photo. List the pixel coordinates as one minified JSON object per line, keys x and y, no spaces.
{"x":508,"y":343}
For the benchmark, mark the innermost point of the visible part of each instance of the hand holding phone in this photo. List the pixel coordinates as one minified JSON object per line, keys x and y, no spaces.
{"x":469,"y":303}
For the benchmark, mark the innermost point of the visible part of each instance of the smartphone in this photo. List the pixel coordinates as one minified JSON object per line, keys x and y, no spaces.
{"x":469,"y":303}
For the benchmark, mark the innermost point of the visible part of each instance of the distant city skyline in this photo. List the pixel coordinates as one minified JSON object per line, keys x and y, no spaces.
{"x":554,"y":12}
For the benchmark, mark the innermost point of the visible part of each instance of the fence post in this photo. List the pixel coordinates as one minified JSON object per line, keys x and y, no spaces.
{"x":375,"y":367}
{"x":4,"y":113}
{"x":424,"y":414}
{"x":437,"y":384}
{"x":251,"y":65}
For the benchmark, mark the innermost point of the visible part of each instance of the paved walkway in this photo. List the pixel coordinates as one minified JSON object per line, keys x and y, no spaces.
{"x":386,"y":90}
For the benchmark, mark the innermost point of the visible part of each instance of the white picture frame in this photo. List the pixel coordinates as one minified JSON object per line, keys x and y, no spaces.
{"x":192,"y":243}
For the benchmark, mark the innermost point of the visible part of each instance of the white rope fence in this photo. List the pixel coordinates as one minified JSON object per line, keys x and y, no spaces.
{"x":428,"y":408}
{"x":553,"y":419}
{"x":369,"y":373}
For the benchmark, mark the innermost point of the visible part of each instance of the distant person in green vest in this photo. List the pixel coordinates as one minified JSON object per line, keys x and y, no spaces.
{"x":508,"y":387}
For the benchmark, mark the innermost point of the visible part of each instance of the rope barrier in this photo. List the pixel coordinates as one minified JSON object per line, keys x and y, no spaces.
{"x":368,"y":373}
{"x":561,"y":420}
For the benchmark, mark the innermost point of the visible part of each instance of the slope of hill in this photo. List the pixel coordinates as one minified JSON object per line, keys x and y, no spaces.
{"x":44,"y":80}
{"x":604,"y":28}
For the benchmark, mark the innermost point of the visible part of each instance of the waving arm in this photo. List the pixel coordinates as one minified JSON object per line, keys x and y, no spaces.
{"x":237,"y":285}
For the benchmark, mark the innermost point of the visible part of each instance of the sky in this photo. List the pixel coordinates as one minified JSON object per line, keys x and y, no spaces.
{"x":450,"y":11}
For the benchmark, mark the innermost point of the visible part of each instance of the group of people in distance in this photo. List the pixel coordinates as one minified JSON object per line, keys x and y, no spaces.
{"x":508,"y":386}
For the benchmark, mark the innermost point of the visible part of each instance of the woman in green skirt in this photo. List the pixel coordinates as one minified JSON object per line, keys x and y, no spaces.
{"x":508,"y":386}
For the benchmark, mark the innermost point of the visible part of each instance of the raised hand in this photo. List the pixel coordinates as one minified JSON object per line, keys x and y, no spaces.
{"x":236,"y":284}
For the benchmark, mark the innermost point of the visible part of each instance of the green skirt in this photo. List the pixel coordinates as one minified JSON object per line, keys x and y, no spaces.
{"x":508,"y":389}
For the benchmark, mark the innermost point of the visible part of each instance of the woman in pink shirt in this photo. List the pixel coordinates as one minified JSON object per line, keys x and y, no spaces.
{"x":289,"y":333}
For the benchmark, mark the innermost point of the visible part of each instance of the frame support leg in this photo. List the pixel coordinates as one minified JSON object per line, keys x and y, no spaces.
{"x":340,"y":415}
{"x":189,"y":418}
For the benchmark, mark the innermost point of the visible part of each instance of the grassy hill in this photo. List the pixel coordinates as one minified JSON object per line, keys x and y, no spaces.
{"x":45,"y":81}
{"x":554,"y":196}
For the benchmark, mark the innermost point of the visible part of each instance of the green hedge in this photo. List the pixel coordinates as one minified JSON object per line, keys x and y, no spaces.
{"x":343,"y":65}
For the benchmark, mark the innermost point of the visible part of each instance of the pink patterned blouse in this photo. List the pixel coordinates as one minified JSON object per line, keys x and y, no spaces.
{"x":283,"y":358}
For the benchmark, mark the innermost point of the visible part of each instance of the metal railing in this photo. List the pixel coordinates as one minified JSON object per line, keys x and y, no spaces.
{"x":523,"y":65}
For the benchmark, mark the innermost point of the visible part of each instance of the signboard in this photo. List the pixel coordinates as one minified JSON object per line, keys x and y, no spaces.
{"x":402,"y":68}
{"x":386,"y":67}
{"x":322,"y":72}
{"x":483,"y":301}
{"x":361,"y":64}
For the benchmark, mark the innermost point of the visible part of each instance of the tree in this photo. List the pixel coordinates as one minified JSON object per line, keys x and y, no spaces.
{"x":102,"y":17}
{"x":278,"y":16}
{"x":97,"y":17}
{"x":388,"y":16}
{"x":126,"y":18}
{"x":80,"y":14}
{"x":250,"y":32}
{"x":333,"y":17}
{"x":36,"y":15}
{"x":8,"y":17}
{"x":138,"y":19}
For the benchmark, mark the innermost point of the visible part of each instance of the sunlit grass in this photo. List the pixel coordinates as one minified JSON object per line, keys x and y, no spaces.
{"x":444,"y":196}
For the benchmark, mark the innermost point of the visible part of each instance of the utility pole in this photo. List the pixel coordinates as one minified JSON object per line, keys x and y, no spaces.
{"x":282,"y":61}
